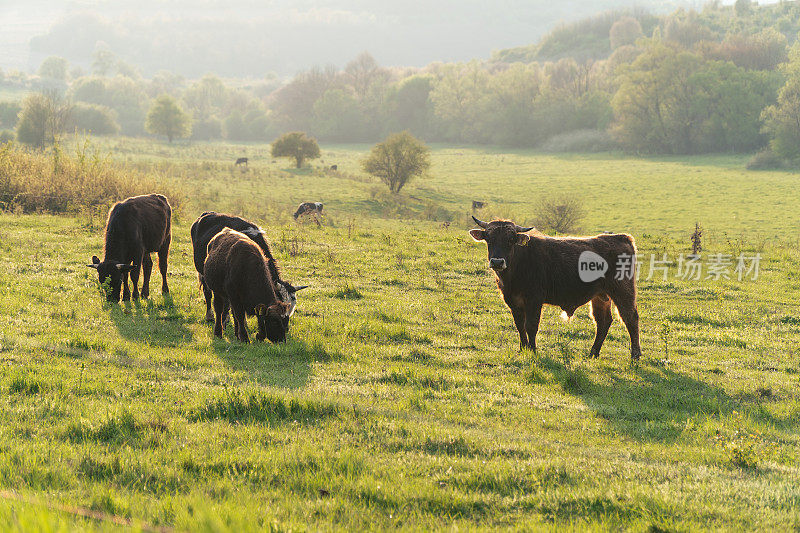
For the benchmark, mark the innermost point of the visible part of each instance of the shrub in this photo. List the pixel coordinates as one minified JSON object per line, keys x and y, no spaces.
{"x":57,"y":182}
{"x":562,"y":214}
{"x":6,"y":136}
{"x":765,"y":160}
{"x":97,"y":119}
{"x":587,"y":141}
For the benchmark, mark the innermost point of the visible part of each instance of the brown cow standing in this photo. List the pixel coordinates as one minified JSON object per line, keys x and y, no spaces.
{"x":237,"y":273}
{"x":533,"y":270}
{"x":136,"y":227}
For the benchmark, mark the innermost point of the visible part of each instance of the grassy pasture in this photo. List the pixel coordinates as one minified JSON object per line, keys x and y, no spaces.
{"x":401,"y":399}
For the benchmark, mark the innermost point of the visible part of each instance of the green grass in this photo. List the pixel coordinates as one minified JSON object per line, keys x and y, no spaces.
{"x":400,"y":399}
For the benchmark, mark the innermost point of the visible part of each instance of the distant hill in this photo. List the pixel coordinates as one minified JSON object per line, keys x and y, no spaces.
{"x":248,"y":38}
{"x":588,"y":38}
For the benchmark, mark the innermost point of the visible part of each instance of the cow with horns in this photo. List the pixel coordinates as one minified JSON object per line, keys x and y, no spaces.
{"x":567,"y":272}
{"x":210,"y":224}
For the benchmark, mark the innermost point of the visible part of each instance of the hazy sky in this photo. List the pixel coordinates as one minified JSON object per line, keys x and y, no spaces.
{"x":239,"y":37}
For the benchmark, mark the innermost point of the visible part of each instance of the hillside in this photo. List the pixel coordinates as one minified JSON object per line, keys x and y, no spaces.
{"x":588,"y":38}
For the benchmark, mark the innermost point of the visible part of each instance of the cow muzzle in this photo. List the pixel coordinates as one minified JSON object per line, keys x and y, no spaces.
{"x":497,"y":264}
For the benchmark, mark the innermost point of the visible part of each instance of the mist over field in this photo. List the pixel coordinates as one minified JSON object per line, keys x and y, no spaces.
{"x":251,"y":38}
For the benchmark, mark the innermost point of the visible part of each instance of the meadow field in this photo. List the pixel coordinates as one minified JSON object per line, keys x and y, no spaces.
{"x":401,"y":399}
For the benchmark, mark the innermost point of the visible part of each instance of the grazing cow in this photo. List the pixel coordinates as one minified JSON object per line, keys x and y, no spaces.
{"x":211,"y":223}
{"x":136,"y":227}
{"x":308,"y":208}
{"x":241,"y":161}
{"x":334,"y":168}
{"x":568,"y":272}
{"x":477,"y":205}
{"x":238,"y":274}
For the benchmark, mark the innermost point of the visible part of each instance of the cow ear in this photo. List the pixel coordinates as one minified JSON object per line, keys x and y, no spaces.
{"x":95,"y":260}
{"x":477,"y":234}
{"x":278,"y":310}
{"x":522,"y":239}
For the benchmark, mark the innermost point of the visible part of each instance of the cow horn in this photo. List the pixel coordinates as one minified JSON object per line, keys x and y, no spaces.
{"x":481,"y":223}
{"x":300,"y":288}
{"x":520,"y":229}
{"x":92,"y":265}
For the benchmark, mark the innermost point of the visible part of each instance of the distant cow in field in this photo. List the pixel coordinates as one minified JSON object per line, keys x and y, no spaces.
{"x":334,"y":168}
{"x":241,"y":161}
{"x":237,"y":273}
{"x":211,"y":223}
{"x":477,"y":205}
{"x":136,"y":227}
{"x":308,"y":208}
{"x":567,"y":272}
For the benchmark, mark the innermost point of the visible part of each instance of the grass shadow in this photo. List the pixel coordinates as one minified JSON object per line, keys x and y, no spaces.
{"x":286,"y":365}
{"x":156,"y":322}
{"x":648,"y":402}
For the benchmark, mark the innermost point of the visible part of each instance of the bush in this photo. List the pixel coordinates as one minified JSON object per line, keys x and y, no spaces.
{"x":6,"y":136}
{"x":56,"y":182}
{"x":766,"y":160}
{"x":560,"y":214}
{"x":588,"y":141}
{"x":96,"y":119}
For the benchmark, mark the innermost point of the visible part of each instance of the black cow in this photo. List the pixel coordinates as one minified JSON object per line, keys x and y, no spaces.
{"x":136,"y":227}
{"x":241,"y":161}
{"x":567,"y":272}
{"x":211,"y":223}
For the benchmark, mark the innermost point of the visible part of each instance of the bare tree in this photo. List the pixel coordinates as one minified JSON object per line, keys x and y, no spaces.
{"x":561,"y":214}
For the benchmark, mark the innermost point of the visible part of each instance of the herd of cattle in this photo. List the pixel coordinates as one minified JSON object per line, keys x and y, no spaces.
{"x":240,"y":277}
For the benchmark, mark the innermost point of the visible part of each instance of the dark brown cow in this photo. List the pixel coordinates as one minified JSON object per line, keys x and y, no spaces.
{"x":237,"y":273}
{"x":207,"y":226}
{"x":136,"y":227}
{"x":307,"y":208}
{"x":568,"y":272}
{"x":241,"y":161}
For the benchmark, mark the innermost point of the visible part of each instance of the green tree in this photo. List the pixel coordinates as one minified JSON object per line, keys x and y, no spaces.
{"x":409,"y":106}
{"x":43,"y":118}
{"x":337,"y":117}
{"x":743,"y":7}
{"x":9,"y":114}
{"x":54,"y":67}
{"x":782,"y":120}
{"x":624,"y":31}
{"x":397,"y":160}
{"x":167,"y":118}
{"x":297,"y":145}
{"x":93,"y":118}
{"x":104,"y":60}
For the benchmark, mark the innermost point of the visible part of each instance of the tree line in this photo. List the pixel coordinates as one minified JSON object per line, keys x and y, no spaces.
{"x":670,"y":85}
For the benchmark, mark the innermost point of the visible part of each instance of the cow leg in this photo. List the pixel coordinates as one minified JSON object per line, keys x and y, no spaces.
{"x":207,"y":294}
{"x":126,"y":291}
{"x":137,"y":265}
{"x":601,"y":314}
{"x":519,"y":320}
{"x":533,"y":314}
{"x":240,"y":323}
{"x":147,"y":269}
{"x":220,"y":305}
{"x":630,"y":316}
{"x":163,"y":257}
